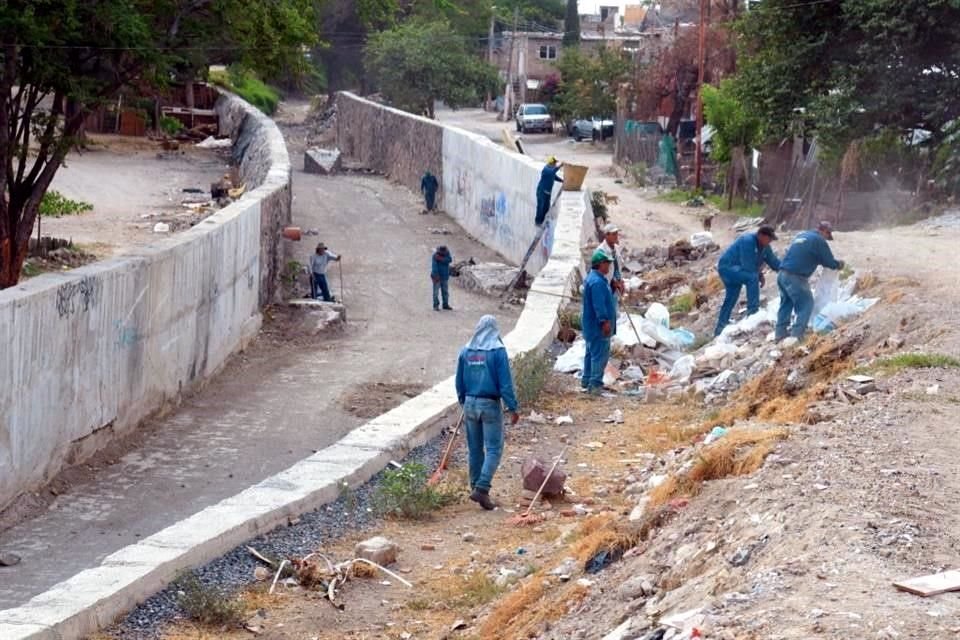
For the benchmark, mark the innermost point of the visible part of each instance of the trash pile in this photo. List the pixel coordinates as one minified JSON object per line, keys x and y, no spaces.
{"x":652,"y":360}
{"x":699,"y":246}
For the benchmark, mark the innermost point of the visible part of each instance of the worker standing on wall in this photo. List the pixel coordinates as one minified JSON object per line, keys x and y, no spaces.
{"x":428,"y":187}
{"x":545,"y":188}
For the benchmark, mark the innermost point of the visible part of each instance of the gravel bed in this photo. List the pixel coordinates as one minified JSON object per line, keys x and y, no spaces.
{"x":234,"y":570}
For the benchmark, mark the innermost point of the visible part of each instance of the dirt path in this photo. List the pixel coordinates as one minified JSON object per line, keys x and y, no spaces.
{"x":132,"y":184}
{"x":279,"y":401}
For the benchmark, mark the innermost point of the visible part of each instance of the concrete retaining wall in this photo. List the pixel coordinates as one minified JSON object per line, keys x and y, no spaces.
{"x":488,"y":190}
{"x":94,"y":598}
{"x":88,"y":354}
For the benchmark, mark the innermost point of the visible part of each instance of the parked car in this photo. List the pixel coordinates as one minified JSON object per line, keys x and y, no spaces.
{"x":591,"y":128}
{"x":534,"y":117}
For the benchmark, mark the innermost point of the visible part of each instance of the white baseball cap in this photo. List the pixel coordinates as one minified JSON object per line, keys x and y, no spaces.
{"x":610,"y":228}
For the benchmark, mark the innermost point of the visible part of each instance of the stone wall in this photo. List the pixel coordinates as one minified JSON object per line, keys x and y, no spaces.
{"x":89,"y":353}
{"x":489,"y":191}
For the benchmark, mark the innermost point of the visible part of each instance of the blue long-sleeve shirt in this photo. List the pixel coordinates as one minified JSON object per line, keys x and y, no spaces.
{"x":598,"y":306}
{"x":547,"y":177}
{"x":808,"y":251}
{"x":746,"y":255}
{"x":485,"y":374}
{"x":440,"y":265}
{"x":429,"y":183}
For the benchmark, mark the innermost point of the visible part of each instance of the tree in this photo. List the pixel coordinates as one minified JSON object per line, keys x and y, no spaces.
{"x":60,"y":59}
{"x":416,"y":64}
{"x":736,"y":130}
{"x":588,"y":83}
{"x":853,"y":67}
{"x":571,"y":25}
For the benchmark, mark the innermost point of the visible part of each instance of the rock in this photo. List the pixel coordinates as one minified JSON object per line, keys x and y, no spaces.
{"x":319,"y":316}
{"x":8,"y":559}
{"x":566,"y":568}
{"x":656,"y":480}
{"x":601,"y":492}
{"x":534,"y":471}
{"x":488,"y":278}
{"x":741,"y":556}
{"x":640,"y":510}
{"x":469,"y":537}
{"x":321,"y":161}
{"x":635,"y":489}
{"x":261,"y":574}
{"x":506,"y":577}
{"x":640,"y":586}
{"x":459,"y":624}
{"x":377,"y":549}
{"x":161,"y":227}
{"x":428,"y":547}
{"x":584,"y":583}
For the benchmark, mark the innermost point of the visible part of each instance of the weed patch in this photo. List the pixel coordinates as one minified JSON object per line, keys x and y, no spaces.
{"x":892,"y":364}
{"x":531,"y":371}
{"x":683,"y":303}
{"x":404,"y":493}
{"x":207,"y":605}
{"x":249,"y":87}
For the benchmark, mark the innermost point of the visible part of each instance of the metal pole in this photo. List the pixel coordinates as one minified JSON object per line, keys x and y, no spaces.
{"x":698,"y":162}
{"x":506,"y":91}
{"x":493,"y":17}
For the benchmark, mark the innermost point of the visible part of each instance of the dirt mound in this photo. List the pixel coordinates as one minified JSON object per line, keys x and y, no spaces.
{"x":374,"y":398}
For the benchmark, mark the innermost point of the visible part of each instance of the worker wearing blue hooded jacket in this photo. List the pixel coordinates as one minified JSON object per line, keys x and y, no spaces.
{"x":597,"y":318}
{"x":428,"y":187}
{"x":741,"y":266}
{"x":808,"y":251}
{"x":483,"y":382}
{"x":545,"y":188}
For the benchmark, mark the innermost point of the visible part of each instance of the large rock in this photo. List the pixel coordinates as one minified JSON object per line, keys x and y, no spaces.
{"x":322,"y":161}
{"x":378,"y":549}
{"x":534,"y":471}
{"x":488,"y":278}
{"x":317,"y":316}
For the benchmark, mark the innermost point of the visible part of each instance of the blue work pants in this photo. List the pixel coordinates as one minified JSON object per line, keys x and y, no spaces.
{"x":484,"y":421}
{"x":733,"y":281}
{"x":795,"y":297}
{"x":595,"y":363}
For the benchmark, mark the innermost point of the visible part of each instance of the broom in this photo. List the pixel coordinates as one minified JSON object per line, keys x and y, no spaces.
{"x":528,"y":518}
{"x":438,"y":474}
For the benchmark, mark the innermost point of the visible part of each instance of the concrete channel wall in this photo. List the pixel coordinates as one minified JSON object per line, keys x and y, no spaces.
{"x":488,"y":190}
{"x":89,"y":353}
{"x":93,"y":598}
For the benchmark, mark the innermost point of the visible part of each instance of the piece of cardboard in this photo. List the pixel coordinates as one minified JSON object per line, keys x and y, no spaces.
{"x":931,"y":585}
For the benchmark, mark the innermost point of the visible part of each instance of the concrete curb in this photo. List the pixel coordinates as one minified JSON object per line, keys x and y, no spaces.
{"x":94,"y":598}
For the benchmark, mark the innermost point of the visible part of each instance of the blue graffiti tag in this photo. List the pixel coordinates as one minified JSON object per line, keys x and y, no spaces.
{"x":126,"y":336}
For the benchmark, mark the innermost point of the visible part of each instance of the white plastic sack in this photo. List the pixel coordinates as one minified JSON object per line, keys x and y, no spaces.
{"x":701,"y":239}
{"x":626,"y":337}
{"x":658,"y":314}
{"x":212,"y":143}
{"x":682,"y":369}
{"x":633,"y":284}
{"x":827,"y":289}
{"x":717,"y":352}
{"x":572,"y":360}
{"x":835,"y":312}
{"x":662,"y":334}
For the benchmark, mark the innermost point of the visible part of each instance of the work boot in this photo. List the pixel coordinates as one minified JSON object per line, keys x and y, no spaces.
{"x":447,"y":307}
{"x":482,"y":497}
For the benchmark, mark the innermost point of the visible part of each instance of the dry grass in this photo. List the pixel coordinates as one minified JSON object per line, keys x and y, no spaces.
{"x":515,"y":609}
{"x":739,"y":452}
{"x":657,"y":434}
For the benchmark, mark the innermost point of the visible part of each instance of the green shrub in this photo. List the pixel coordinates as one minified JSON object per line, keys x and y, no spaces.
{"x":638,"y":173}
{"x":571,"y":319}
{"x":55,"y":205}
{"x":170,"y":126}
{"x":207,"y":605}
{"x":683,"y":303}
{"x":249,"y":87}
{"x":531,"y":371}
{"x":404,"y":493}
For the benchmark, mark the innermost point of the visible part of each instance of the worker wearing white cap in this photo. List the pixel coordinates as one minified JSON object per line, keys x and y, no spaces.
{"x":610,"y":248}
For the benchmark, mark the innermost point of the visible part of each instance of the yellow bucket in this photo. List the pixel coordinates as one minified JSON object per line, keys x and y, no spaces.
{"x":573,"y":175}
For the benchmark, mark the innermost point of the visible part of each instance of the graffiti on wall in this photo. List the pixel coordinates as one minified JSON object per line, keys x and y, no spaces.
{"x":78,"y":295}
{"x":127,"y":335}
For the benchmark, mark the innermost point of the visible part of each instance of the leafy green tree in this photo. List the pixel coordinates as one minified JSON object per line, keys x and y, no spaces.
{"x":737,"y":129}
{"x":851,"y":67}
{"x":59,"y":59}
{"x":571,"y":25}
{"x":416,"y":64}
{"x":588,"y":83}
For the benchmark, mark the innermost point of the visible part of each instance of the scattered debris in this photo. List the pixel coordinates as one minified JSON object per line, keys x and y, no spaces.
{"x":321,"y":161}
{"x":161,"y":227}
{"x":377,"y":549}
{"x":213,"y":143}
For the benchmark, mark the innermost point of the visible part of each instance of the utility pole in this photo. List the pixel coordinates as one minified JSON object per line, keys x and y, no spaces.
{"x":493,"y":18}
{"x":698,"y":161}
{"x":522,"y":67}
{"x":509,"y":87}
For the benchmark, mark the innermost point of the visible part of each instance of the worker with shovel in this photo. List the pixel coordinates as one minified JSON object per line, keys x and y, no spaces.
{"x":318,"y":267}
{"x":484,"y":382}
{"x":598,"y":318}
{"x":741,"y":266}
{"x":611,"y":241}
{"x":545,"y":188}
{"x":807,"y":251}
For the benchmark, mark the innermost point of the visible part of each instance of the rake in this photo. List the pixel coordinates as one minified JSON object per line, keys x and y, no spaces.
{"x":438,"y":474}
{"x":527,"y":517}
